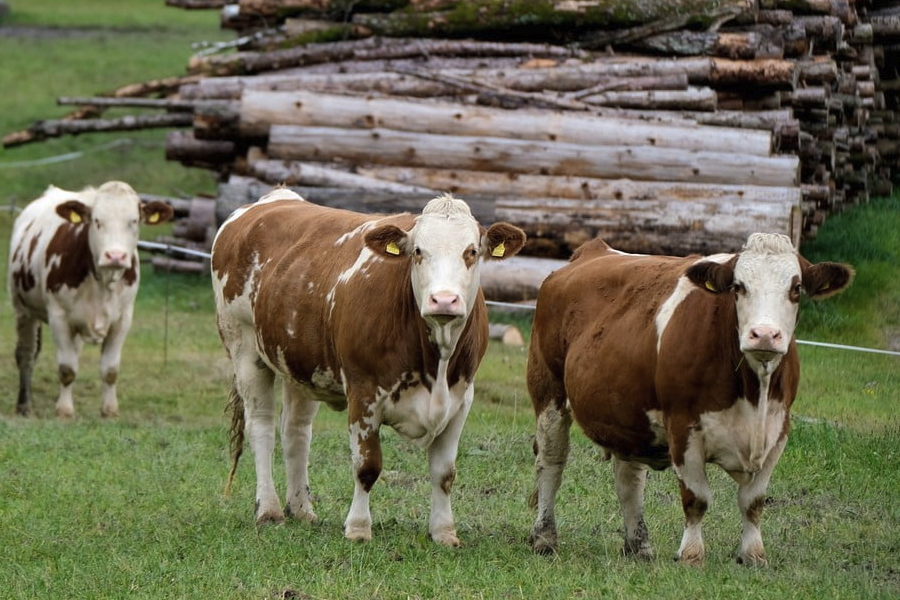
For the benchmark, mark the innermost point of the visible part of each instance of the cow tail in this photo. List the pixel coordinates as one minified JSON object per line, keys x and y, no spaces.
{"x":235,"y":433}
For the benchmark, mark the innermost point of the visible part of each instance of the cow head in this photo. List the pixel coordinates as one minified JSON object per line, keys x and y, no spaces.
{"x":112,"y":214}
{"x":767,"y":278}
{"x":445,"y":248}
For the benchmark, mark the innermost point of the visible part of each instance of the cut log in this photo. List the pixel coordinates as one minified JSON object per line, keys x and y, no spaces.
{"x":556,"y":227}
{"x":545,"y":186}
{"x":703,"y":99}
{"x":517,"y":278}
{"x":58,"y":127}
{"x":384,"y":146}
{"x":508,"y":335}
{"x":308,"y":174}
{"x":259,"y":110}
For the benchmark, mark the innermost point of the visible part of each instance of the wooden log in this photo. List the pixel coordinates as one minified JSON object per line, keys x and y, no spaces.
{"x":763,"y":43}
{"x":197,"y":4}
{"x":308,"y":174}
{"x":518,"y":280}
{"x":515,"y":18}
{"x":59,"y":127}
{"x":259,"y":110}
{"x":546,"y":186}
{"x":240,"y":190}
{"x":185,"y":148}
{"x":508,"y":335}
{"x":385,"y":146}
{"x":365,"y":49}
{"x":667,"y":226}
{"x":702,"y":99}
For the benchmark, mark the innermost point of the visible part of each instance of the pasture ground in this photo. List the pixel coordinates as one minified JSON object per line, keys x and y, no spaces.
{"x":134,"y":507}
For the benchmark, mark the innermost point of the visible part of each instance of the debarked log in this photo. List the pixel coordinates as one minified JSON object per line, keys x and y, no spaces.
{"x":260,"y":110}
{"x":660,"y":226}
{"x":585,"y":188}
{"x":385,"y":146}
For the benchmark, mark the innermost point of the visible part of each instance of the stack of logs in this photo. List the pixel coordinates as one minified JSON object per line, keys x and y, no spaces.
{"x":662,"y":132}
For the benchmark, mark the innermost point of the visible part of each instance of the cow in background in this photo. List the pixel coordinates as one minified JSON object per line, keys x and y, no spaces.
{"x":74,"y":265}
{"x":671,"y":362}
{"x":380,"y":315}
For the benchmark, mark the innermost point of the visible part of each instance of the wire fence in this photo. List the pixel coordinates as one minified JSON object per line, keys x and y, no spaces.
{"x":169,"y":248}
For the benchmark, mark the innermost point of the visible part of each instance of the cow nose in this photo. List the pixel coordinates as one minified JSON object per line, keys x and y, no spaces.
{"x":444,"y":303}
{"x":113,"y":258}
{"x":765,"y":339}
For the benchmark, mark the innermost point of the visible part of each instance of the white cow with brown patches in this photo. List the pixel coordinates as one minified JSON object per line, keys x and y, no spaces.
{"x":382,"y":315}
{"x":671,"y":362}
{"x":73,"y":264}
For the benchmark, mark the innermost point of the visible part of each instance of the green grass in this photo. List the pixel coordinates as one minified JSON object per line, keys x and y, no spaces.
{"x":134,"y":507}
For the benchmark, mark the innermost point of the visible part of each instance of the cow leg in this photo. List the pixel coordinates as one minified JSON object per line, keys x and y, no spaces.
{"x":751,"y":498}
{"x":695,"y":499}
{"x":254,"y":382}
{"x":552,"y":450}
{"x":296,"y":437}
{"x":68,"y":348}
{"x":365,"y":448}
{"x":442,"y":466}
{"x":631,"y":478}
{"x":28,"y":333}
{"x":110,"y":358}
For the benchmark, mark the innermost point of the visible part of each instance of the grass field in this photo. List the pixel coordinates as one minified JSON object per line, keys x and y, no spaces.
{"x":135,"y":508}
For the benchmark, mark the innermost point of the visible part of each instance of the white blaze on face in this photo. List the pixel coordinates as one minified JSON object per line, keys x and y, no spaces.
{"x":115,"y":217}
{"x":767,"y":283}
{"x":445,"y":244}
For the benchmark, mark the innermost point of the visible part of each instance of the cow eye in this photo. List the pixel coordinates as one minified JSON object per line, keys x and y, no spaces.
{"x":417,"y":251}
{"x":798,"y":289}
{"x":739,"y":288}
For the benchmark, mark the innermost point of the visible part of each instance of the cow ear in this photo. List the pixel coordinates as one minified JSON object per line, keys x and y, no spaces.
{"x":826,"y":279}
{"x":156,"y":212}
{"x":503,"y":240}
{"x":74,"y":212}
{"x":387,"y":241}
{"x":711,"y":276}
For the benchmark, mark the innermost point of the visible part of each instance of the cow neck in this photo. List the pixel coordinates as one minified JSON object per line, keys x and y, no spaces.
{"x":755,"y":385}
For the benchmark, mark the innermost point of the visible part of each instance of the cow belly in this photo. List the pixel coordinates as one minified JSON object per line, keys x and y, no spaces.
{"x":416,"y":413}
{"x":727,"y":434}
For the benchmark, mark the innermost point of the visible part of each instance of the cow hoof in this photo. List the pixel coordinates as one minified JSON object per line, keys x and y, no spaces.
{"x":107,"y":413}
{"x":753,"y":559}
{"x":446,"y":538}
{"x":691,"y":559}
{"x":641,"y":552}
{"x":271,"y":514}
{"x":65,"y":413}
{"x":358,"y":533}
{"x":307,"y":516}
{"x":23,"y":410}
{"x":544,"y":544}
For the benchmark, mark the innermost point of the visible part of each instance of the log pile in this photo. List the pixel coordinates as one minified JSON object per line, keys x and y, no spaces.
{"x":663,"y":132}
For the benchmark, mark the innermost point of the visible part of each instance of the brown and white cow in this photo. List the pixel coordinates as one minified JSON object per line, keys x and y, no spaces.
{"x":382,"y":315}
{"x":677,"y":362}
{"x":74,"y":265}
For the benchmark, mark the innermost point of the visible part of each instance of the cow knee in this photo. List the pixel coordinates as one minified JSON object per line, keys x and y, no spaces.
{"x":110,"y":376}
{"x":66,"y":375}
{"x":367,"y":475}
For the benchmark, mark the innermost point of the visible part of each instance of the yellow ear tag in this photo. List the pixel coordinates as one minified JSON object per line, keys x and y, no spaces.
{"x":392,"y":248}
{"x":499,"y":250}
{"x":74,"y":217}
{"x":153,"y":218}
{"x":710,"y":286}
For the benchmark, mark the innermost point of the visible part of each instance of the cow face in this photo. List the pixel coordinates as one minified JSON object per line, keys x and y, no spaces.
{"x":767,"y":279}
{"x":113,"y":219}
{"x":445,"y":248}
